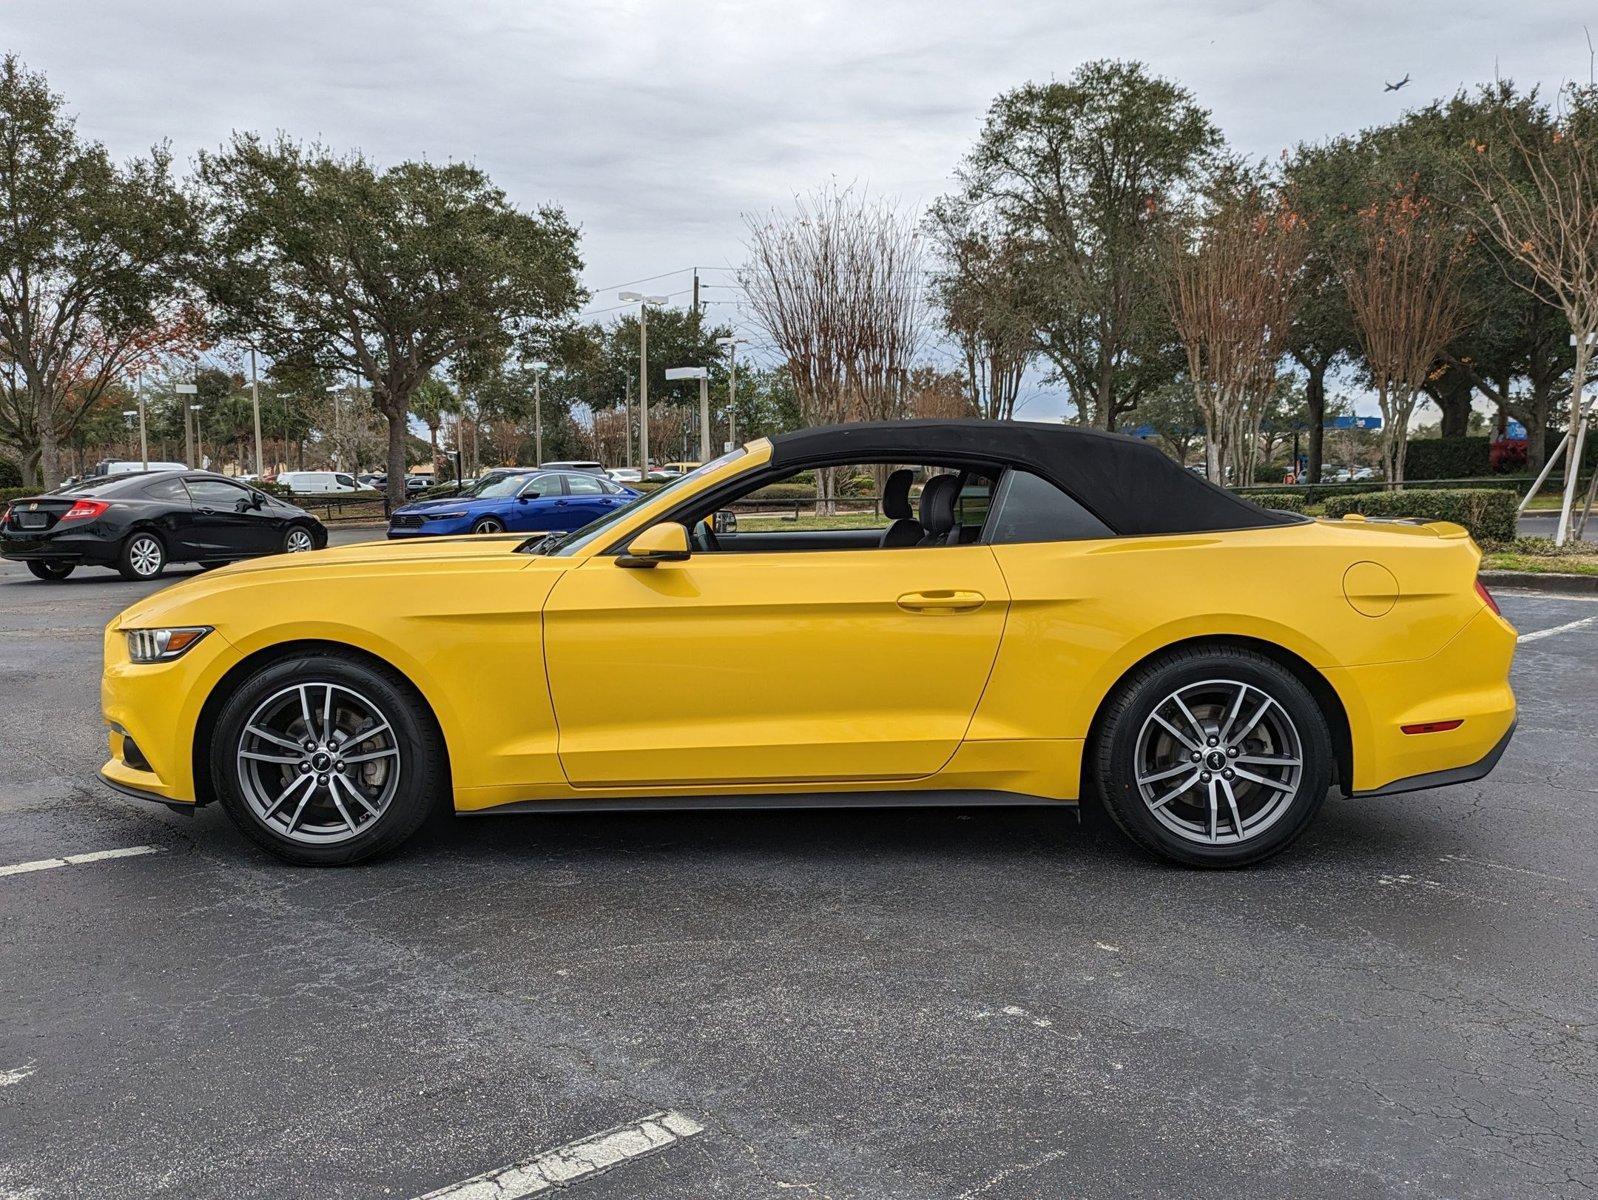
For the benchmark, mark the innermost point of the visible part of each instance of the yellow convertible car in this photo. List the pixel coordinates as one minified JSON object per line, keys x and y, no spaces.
{"x":1042,"y":610}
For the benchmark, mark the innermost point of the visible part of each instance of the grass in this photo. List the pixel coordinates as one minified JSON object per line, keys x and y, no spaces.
{"x":772,"y":523}
{"x":1564,"y":564}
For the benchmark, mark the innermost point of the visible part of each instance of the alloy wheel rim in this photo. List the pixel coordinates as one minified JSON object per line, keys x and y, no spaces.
{"x":488,"y":525}
{"x":318,"y":763}
{"x":145,"y":555}
{"x":1218,"y":762}
{"x":299,"y":541}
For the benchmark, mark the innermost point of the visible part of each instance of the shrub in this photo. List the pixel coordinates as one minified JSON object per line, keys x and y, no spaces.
{"x":13,"y":493}
{"x":1287,"y":501}
{"x":10,"y":474}
{"x":1488,"y":513}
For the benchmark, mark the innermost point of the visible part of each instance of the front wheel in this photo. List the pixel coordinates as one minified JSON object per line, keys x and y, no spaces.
{"x":143,"y":556}
{"x":49,"y":572}
{"x":1213,"y":757}
{"x":488,"y":525}
{"x":326,"y":760}
{"x":298,"y":540}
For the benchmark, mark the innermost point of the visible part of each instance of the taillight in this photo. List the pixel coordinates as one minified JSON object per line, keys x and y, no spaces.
{"x":85,"y":510}
{"x":1487,"y":597}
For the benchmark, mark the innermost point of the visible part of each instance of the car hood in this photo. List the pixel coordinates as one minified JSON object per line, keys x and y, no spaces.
{"x":288,"y":570}
{"x":447,"y":502}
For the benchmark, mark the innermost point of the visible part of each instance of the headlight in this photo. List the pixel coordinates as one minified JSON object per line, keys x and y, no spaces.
{"x":163,"y":645}
{"x":438,"y":516}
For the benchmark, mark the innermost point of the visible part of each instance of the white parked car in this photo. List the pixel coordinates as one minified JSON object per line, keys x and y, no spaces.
{"x":575,"y":464}
{"x":625,"y":475}
{"x":309,"y":482}
{"x":114,"y":467}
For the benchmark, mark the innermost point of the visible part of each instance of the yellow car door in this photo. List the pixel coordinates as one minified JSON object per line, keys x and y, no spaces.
{"x":771,"y":667}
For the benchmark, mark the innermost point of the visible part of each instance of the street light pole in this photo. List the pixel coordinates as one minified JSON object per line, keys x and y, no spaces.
{"x":127,"y":415}
{"x":144,"y":436}
{"x":703,"y":375}
{"x":643,"y":373}
{"x":538,"y":414}
{"x":187,"y":389}
{"x":732,"y":344}
{"x":199,"y":444}
{"x":255,"y":405}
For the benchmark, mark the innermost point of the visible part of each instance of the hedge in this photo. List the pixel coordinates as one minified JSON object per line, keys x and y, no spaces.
{"x":1448,"y":458}
{"x":1287,"y":501}
{"x":1488,"y":514}
{"x":13,"y":493}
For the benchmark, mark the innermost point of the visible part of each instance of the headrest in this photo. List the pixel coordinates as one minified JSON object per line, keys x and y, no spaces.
{"x":896,"y":495}
{"x":937,"y":504}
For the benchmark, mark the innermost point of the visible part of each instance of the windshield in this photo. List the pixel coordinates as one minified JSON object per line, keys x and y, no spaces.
{"x":570,"y":543}
{"x":495,"y":487}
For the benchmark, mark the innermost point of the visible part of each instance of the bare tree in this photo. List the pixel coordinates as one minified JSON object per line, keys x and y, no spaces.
{"x":1540,"y":201}
{"x":1233,"y":289}
{"x":1402,"y":277}
{"x":836,"y":285}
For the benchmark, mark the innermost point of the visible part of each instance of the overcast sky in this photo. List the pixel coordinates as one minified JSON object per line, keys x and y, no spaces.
{"x":657,"y":125}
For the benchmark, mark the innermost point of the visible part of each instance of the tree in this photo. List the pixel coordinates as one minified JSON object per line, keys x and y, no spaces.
{"x":385,"y":273}
{"x":431,"y":402}
{"x":1402,"y":279}
{"x":979,"y":288}
{"x":92,"y":269}
{"x":1233,"y":291}
{"x":836,"y":284}
{"x":1539,"y":190}
{"x":1173,"y":414}
{"x":1083,"y":178}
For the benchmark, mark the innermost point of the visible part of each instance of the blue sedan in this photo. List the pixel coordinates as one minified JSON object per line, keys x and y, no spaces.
{"x":514,"y":502}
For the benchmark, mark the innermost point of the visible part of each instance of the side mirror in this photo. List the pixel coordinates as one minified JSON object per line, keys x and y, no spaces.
{"x":257,"y":500}
{"x":666,"y":542}
{"x":725,"y":521}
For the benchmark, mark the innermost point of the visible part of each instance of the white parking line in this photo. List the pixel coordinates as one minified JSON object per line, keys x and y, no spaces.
{"x":575,"y":1160}
{"x":1565,"y":628}
{"x":73,"y":860}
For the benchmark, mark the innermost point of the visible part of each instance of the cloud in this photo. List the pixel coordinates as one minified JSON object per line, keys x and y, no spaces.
{"x":657,"y":123}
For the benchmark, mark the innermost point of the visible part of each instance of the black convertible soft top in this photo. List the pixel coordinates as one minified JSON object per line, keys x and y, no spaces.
{"x":1128,"y":484}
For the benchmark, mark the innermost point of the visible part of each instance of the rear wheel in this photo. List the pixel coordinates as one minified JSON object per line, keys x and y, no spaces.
{"x":50,"y":572}
{"x":143,"y":556}
{"x":325,"y":760}
{"x":298,"y":540}
{"x":1213,"y":757}
{"x":488,"y":525}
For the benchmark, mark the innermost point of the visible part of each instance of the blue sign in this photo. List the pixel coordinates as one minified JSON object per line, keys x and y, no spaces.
{"x":1515,"y":431}
{"x":1352,"y":423}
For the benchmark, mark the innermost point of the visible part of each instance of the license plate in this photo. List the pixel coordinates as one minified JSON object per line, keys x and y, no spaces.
{"x":29,"y":520}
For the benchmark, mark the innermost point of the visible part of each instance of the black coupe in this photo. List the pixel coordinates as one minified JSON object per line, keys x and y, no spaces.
{"x":137,"y":524}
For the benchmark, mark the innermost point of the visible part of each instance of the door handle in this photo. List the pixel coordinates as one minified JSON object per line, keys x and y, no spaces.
{"x":942,"y":600}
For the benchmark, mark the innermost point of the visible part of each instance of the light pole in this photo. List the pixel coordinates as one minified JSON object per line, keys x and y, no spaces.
{"x":199,"y":442}
{"x":538,"y":414}
{"x":643,"y":373}
{"x":187,"y":389}
{"x":127,"y":415}
{"x":144,"y":437}
{"x":338,"y":457}
{"x":701,"y":374}
{"x":732,"y":344}
{"x":255,"y":407}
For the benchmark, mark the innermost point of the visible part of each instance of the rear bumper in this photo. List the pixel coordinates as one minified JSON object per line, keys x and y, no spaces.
{"x":1479,"y":769}
{"x":84,"y":546}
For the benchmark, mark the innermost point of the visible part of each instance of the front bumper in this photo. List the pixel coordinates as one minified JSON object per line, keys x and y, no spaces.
{"x":449,"y":528}
{"x":156,"y":707}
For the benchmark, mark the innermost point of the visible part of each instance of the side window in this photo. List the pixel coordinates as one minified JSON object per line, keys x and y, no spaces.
{"x":541,"y":486}
{"x":345,"y":480}
{"x":1030,"y":509}
{"x":584,"y":485}
{"x":166,"y":489}
{"x":213,"y":493}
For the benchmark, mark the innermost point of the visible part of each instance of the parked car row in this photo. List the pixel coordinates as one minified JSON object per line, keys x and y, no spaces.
{"x":514,"y":500}
{"x":137,"y":524}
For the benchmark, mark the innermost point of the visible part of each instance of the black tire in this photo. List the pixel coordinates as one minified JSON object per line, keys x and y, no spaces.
{"x":297,"y":539}
{"x":1114,"y":756}
{"x":50,"y":572}
{"x":488,"y":525}
{"x":422,"y":786}
{"x":136,"y":555}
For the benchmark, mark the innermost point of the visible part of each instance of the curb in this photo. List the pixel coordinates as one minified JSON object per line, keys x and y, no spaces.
{"x":1542,"y":581}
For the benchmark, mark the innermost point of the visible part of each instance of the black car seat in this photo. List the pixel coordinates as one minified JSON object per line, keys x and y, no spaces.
{"x":904,"y":529}
{"x":938,"y":499}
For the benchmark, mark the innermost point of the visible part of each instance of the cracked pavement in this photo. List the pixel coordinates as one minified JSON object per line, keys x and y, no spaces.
{"x":904,"y":1004}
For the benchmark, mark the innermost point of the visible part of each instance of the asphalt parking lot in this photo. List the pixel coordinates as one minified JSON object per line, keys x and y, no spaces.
{"x":925,"y":1005}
